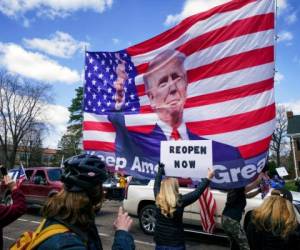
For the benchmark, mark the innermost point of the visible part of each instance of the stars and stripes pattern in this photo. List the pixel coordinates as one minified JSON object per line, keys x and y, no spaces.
{"x":21,"y":176}
{"x":208,"y":208}
{"x":100,"y":75}
{"x":230,"y":69}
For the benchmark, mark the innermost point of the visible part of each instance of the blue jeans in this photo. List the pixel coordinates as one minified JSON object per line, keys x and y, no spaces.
{"x":180,"y":247}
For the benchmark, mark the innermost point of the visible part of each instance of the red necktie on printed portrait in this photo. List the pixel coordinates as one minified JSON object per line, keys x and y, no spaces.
{"x":175,"y":135}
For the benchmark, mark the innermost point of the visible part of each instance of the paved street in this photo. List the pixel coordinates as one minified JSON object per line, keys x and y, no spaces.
{"x":104,"y":223}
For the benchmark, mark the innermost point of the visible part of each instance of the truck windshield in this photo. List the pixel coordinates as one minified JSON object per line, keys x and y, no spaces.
{"x":54,"y":174}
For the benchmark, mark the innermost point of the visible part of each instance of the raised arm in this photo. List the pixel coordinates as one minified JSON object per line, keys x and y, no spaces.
{"x":191,"y":197}
{"x":158,"y":177}
{"x":253,"y":185}
{"x":253,"y":188}
{"x":253,"y":193}
{"x":10,"y":213}
{"x":123,"y":239}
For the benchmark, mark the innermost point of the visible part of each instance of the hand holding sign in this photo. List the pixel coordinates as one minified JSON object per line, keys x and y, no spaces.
{"x":186,"y":158}
{"x":210,"y":173}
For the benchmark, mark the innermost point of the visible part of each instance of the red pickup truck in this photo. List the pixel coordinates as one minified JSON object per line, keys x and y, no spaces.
{"x":40,"y":184}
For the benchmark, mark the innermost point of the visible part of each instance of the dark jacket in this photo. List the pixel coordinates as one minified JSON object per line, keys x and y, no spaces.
{"x":262,"y":240}
{"x":8,"y":214}
{"x":89,"y":239}
{"x":235,"y":204}
{"x":169,"y":231}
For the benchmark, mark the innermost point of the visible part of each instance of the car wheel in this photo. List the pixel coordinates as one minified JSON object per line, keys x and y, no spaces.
{"x":147,"y":218}
{"x":8,"y":200}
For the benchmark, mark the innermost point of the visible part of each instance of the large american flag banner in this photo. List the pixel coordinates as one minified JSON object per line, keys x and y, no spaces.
{"x":229,"y":63}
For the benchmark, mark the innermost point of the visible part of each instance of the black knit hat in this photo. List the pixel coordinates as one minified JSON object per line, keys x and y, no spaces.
{"x":283,"y":193}
{"x":83,"y":172}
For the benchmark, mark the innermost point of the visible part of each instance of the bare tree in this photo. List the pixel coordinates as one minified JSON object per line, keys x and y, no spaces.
{"x":279,"y":141}
{"x":31,"y":144}
{"x":21,"y":105}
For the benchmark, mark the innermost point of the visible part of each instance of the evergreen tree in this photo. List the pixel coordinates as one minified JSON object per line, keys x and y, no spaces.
{"x":70,"y":143}
{"x":76,"y":117}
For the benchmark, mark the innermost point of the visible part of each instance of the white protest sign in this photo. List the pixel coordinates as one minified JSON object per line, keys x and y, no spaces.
{"x":282,"y":171}
{"x":186,"y":158}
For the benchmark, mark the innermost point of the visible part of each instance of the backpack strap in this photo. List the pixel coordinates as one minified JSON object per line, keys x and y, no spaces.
{"x":82,"y":234}
{"x":46,"y":233}
{"x":40,"y":227}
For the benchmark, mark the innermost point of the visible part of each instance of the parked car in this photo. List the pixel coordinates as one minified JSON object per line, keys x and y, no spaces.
{"x":111,"y":189}
{"x":110,"y":183}
{"x":41,"y":183}
{"x":139,"y":202}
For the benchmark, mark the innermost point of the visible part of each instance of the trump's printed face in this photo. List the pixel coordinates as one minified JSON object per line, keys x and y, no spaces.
{"x":167,"y":90}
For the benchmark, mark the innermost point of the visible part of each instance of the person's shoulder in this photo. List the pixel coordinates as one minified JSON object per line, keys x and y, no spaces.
{"x":68,"y":240}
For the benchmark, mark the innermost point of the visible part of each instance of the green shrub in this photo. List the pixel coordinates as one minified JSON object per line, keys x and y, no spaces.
{"x":290,"y":185}
{"x":272,"y":168}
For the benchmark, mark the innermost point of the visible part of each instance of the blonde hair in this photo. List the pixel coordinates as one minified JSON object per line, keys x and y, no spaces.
{"x":276,"y":215}
{"x":167,"y":199}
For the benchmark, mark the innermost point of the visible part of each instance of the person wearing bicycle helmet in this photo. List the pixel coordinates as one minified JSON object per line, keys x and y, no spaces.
{"x":74,"y":208}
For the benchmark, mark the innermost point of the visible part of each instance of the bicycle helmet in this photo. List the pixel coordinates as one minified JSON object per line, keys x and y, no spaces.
{"x":83,"y":172}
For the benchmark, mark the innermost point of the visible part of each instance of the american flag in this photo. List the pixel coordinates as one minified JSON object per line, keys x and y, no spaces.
{"x":230,"y":68}
{"x":230,"y":94}
{"x":208,"y":208}
{"x":21,"y":176}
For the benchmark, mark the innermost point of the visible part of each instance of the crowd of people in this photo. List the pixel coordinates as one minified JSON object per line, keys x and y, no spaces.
{"x":273,"y":225}
{"x":72,"y":210}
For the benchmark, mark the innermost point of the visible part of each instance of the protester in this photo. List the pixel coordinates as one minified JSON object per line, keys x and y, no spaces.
{"x":9,"y":213}
{"x":73,"y":207}
{"x":122,"y":181}
{"x":122,"y":185}
{"x":264,"y":184}
{"x":273,"y":224}
{"x":233,"y":211}
{"x":170,"y":204}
